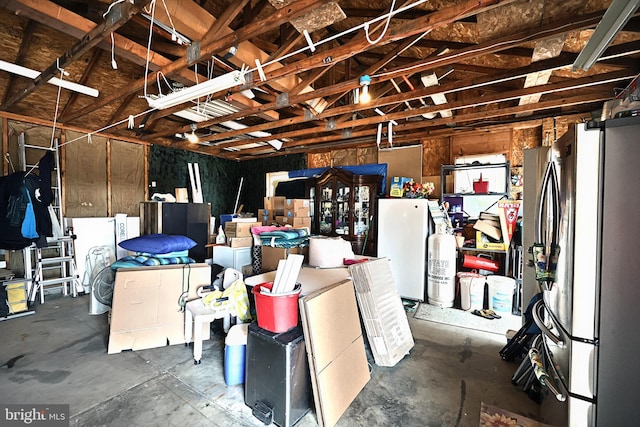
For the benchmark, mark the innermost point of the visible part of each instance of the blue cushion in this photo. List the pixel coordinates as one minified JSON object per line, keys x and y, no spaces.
{"x":158,"y":243}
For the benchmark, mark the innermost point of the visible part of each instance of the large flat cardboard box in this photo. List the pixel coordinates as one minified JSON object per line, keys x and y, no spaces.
{"x":145,"y":311}
{"x":271,"y":256}
{"x":382,"y":311}
{"x":335,"y":349}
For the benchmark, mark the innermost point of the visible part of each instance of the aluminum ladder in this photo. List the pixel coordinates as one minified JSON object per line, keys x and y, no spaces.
{"x":54,"y":266}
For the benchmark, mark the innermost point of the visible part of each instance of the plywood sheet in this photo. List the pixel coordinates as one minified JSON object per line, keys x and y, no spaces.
{"x":335,"y":348}
{"x":127,"y":177}
{"x":481,"y":143}
{"x":402,"y":161}
{"x":85,"y":177}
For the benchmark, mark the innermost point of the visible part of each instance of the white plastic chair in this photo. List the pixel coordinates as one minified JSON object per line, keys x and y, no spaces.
{"x":199,"y":312}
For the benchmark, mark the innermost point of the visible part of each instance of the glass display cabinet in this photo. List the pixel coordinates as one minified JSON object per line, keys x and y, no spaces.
{"x":344,"y":204}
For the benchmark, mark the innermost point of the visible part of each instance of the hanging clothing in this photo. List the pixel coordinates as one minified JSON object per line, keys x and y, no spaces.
{"x":16,"y":190}
{"x":29,"y":228}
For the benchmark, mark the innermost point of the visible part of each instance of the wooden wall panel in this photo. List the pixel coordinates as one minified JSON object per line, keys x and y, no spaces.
{"x":367,"y":155}
{"x":435,"y":153}
{"x":344,"y":157}
{"x":319,"y":160}
{"x":85,"y":176}
{"x":402,"y":161}
{"x":481,"y":143}
{"x":34,"y":135}
{"x":127,"y":177}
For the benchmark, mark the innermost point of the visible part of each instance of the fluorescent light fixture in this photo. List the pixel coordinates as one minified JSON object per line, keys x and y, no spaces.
{"x":32,"y":74}
{"x":429,"y":80}
{"x":175,"y":36}
{"x":216,"y":108}
{"x":613,"y":20}
{"x":226,"y":81}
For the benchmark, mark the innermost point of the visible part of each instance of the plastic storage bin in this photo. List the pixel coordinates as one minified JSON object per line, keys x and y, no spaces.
{"x":235,"y":350}
{"x":277,"y":376}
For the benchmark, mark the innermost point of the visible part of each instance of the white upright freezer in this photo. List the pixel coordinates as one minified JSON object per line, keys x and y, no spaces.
{"x":403,"y":229}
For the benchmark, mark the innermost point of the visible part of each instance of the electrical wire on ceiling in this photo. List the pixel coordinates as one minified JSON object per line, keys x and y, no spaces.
{"x":384,"y":30}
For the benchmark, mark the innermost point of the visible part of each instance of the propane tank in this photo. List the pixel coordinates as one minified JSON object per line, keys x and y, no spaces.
{"x":441,"y":264}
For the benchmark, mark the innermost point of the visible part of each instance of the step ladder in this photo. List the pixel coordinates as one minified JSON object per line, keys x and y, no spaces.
{"x":53,"y":266}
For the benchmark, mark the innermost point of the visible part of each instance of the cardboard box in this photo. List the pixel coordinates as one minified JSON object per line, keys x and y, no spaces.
{"x":275,"y":204}
{"x":396,"y":185}
{"x":297,"y":212}
{"x":145,"y":312}
{"x":240,"y":242}
{"x":247,"y":270}
{"x":239,"y":229}
{"x":271,"y":256}
{"x":296,"y":203}
{"x":485,"y":242}
{"x":335,"y":349}
{"x":266,"y":216}
{"x":294,"y":221}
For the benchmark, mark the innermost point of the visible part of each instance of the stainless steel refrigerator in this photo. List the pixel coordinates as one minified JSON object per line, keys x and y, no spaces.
{"x":588,"y":269}
{"x":403,"y":229}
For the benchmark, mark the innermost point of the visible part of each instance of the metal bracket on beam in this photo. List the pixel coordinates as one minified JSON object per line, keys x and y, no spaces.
{"x":346,"y":133}
{"x":282,"y":100}
{"x":193,"y":52}
{"x":114,"y":15}
{"x":308,"y":115}
{"x":331,"y":124}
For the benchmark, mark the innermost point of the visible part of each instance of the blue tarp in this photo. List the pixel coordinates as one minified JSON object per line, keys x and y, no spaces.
{"x":370,"y":169}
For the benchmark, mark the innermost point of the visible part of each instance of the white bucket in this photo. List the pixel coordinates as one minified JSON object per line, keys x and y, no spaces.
{"x":501,"y":293}
{"x":472,"y":293}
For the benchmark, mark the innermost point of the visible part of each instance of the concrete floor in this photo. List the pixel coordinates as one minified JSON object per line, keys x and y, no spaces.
{"x":59,"y":355}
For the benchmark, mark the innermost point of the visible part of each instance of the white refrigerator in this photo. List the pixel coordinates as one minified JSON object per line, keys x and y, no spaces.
{"x":403,"y":229}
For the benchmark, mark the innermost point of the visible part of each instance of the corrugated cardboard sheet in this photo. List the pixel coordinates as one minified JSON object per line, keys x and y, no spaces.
{"x":335,"y":348}
{"x":145,"y":311}
{"x":382,"y":311}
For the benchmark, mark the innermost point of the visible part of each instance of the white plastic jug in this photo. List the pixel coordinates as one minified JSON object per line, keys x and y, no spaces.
{"x":472,"y":293}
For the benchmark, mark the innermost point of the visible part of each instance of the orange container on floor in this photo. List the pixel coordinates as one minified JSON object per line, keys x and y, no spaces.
{"x":276,"y":313}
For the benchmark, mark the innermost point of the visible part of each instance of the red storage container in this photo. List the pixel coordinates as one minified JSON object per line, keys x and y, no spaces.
{"x":276,"y":313}
{"x":480,"y":186}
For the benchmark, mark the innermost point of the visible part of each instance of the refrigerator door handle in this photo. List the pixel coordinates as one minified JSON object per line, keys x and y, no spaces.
{"x":560,"y":392}
{"x":544,"y":378}
{"x":536,"y":312}
{"x":539,"y":218}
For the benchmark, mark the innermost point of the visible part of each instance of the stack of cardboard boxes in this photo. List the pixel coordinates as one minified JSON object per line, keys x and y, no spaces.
{"x":296,"y":213}
{"x":272,"y":206}
{"x":279,"y":210}
{"x":282,"y":211}
{"x":494,"y":231}
{"x":238,"y":233}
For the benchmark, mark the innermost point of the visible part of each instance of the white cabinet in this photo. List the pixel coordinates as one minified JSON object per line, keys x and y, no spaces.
{"x":229,"y":257}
